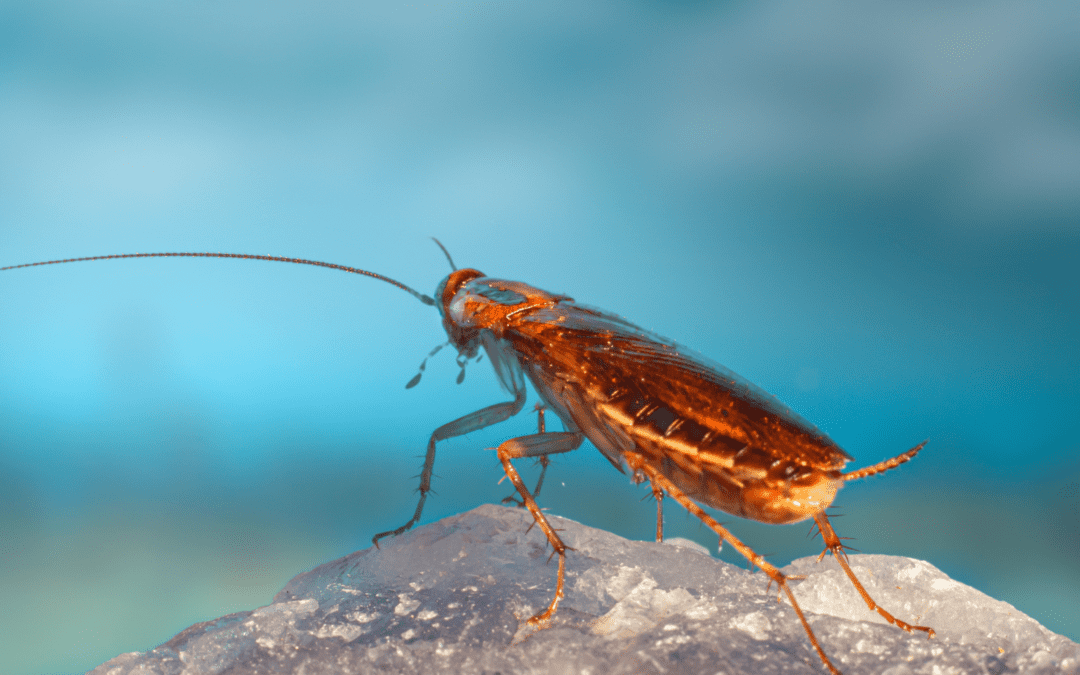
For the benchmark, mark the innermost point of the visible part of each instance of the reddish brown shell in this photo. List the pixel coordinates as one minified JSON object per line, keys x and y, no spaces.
{"x":725,"y":441}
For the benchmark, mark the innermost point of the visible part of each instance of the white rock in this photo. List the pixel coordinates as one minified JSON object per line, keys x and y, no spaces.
{"x":450,"y":598}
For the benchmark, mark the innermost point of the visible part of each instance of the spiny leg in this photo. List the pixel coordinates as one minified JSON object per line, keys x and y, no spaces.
{"x":833,"y":543}
{"x":493,"y":414}
{"x":544,"y":461}
{"x":540,"y":445}
{"x":659,"y":480}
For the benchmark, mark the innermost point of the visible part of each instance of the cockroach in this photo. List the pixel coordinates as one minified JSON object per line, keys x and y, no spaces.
{"x":696,"y":431}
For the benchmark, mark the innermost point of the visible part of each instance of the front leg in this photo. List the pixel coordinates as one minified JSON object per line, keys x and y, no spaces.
{"x":485,"y":417}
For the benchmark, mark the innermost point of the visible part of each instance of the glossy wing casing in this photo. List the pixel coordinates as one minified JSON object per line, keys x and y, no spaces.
{"x":641,"y":398}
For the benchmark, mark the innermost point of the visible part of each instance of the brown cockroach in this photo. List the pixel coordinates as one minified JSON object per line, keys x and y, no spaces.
{"x":693,"y":429}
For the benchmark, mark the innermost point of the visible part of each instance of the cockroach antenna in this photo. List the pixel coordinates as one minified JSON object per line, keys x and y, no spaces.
{"x":423,"y":364}
{"x":453,"y":267}
{"x":243,"y":256}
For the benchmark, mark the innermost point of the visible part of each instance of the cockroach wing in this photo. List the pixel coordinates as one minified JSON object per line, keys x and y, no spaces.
{"x":713,"y":432}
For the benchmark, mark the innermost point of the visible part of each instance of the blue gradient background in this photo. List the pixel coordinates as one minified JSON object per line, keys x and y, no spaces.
{"x":872,"y":211}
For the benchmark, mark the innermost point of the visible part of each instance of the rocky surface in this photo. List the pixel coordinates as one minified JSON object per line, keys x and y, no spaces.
{"x":451,"y":597}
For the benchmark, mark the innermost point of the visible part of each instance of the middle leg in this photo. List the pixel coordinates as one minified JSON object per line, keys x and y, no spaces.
{"x":540,"y":445}
{"x":658,"y":494}
{"x":544,"y":462}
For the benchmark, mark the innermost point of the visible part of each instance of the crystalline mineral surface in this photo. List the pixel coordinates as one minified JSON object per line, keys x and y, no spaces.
{"x":453,"y":596}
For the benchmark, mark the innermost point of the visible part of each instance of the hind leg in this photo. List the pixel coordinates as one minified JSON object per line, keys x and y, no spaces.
{"x":659,"y":481}
{"x":832,"y":542}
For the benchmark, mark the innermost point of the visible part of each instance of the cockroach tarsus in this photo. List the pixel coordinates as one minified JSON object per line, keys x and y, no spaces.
{"x":694,"y":430}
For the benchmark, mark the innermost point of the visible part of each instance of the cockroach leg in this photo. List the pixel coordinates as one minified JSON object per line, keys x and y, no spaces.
{"x":833,"y":543}
{"x":543,"y":461}
{"x":493,"y":414}
{"x":540,"y":426}
{"x":658,"y":493}
{"x":659,"y":480}
{"x":540,"y":445}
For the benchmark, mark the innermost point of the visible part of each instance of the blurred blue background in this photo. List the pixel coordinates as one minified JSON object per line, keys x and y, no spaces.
{"x":873,"y":212}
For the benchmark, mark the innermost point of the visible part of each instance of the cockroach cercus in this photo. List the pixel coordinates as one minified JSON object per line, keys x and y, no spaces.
{"x":693,"y":429}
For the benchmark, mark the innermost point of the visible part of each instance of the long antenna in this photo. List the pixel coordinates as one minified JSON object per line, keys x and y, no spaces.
{"x":453,"y":267}
{"x":244,"y":256}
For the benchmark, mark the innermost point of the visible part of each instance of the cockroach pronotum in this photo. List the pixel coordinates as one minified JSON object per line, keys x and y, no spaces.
{"x":694,"y":430}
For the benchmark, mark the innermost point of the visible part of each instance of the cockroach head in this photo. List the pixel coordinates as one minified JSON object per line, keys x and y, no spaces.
{"x":460,"y":336}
